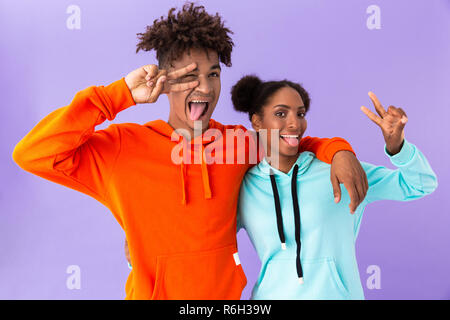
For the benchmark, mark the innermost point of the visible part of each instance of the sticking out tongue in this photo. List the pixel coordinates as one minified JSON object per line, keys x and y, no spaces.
{"x":196,"y":110}
{"x":293,"y":142}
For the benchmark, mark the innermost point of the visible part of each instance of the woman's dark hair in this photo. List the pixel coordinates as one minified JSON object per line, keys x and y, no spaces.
{"x":191,"y":27}
{"x":250,"y":93}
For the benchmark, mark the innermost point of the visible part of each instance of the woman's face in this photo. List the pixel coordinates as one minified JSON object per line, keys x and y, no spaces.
{"x":283,"y":116}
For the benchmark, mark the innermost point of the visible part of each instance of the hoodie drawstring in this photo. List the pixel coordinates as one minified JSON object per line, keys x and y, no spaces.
{"x":296,"y":217}
{"x":183,"y":179}
{"x":205,"y":178}
{"x":183,"y":183}
{"x":278,"y":210}
{"x":297,"y":222}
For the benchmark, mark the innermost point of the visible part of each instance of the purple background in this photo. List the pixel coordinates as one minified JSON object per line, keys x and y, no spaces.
{"x":325,"y":45}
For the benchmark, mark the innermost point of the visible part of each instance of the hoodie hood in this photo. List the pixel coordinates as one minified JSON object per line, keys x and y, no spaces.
{"x":264,"y":169}
{"x":165,"y":130}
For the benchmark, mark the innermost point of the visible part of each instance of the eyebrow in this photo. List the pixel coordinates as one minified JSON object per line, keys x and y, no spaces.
{"x":216,"y":66}
{"x":288,"y":107}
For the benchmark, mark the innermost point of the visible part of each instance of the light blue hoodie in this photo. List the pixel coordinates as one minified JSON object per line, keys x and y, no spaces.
{"x":327,"y":231}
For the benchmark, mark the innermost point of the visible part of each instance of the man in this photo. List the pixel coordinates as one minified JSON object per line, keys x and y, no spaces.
{"x":179,"y":218}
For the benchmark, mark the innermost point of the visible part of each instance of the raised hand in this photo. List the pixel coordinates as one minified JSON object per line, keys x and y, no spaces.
{"x":148,"y":82}
{"x":392,"y":123}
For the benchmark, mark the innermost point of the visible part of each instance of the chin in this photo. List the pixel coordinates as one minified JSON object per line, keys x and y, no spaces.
{"x":289,"y":153}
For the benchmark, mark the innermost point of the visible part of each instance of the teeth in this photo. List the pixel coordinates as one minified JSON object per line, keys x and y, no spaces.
{"x":289,"y":136}
{"x":198,"y":101}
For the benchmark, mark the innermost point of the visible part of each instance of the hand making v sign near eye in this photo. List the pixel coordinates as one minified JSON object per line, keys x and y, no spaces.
{"x":149,"y":82}
{"x":392,"y":123}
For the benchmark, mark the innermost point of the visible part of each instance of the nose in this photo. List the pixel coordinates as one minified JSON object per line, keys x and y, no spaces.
{"x":293,"y":122}
{"x":204,"y":85}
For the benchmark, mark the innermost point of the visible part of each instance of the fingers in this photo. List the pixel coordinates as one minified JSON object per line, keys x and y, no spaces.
{"x":151,"y":70}
{"x":357,"y":191}
{"x":366,"y":182}
{"x":399,"y":115}
{"x":354,"y":196}
{"x":372,"y":116}
{"x":183,"y":86}
{"x":403,"y":113}
{"x":175,"y":86}
{"x":152,"y":79}
{"x":404,"y":118}
{"x":391,"y":110}
{"x":362,"y":185}
{"x":347,"y":169}
{"x":182,"y":71}
{"x":361,"y":189}
{"x":336,"y":188}
{"x":378,"y":107}
{"x":156,"y":92}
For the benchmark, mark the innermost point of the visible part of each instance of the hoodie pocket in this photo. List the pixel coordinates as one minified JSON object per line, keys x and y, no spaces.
{"x":321,"y":281}
{"x":213,"y":274}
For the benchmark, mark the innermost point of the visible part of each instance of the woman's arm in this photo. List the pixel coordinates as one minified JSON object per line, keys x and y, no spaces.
{"x":414,"y":177}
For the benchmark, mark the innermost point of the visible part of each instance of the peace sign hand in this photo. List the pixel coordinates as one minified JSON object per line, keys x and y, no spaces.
{"x":148,"y":82}
{"x":392,"y":123}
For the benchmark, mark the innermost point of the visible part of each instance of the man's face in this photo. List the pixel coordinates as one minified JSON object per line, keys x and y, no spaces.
{"x":195,"y":104}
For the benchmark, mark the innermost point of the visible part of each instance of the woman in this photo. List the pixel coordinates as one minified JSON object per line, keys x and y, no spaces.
{"x":306,"y":241}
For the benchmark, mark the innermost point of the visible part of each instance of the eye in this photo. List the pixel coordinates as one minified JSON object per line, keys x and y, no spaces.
{"x":190,"y":77}
{"x":215,"y":74}
{"x":302,"y":114}
{"x":280,"y":114}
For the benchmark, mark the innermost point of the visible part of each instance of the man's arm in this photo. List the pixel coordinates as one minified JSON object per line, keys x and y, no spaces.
{"x":64,"y":146}
{"x":345,"y":167}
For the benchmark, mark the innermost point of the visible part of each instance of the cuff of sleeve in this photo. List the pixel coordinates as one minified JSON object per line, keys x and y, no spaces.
{"x":119,"y":96}
{"x":404,"y":156}
{"x":336,"y":145}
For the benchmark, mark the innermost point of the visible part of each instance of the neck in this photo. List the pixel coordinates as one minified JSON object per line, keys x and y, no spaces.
{"x":285,"y":163}
{"x":188,"y":132}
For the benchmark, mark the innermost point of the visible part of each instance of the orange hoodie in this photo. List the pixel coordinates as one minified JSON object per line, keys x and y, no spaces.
{"x":179,"y":219}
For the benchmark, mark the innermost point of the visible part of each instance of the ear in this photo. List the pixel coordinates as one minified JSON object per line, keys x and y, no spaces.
{"x":256,"y":122}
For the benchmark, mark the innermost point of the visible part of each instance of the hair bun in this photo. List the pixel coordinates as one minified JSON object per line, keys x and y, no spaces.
{"x":244,"y":92}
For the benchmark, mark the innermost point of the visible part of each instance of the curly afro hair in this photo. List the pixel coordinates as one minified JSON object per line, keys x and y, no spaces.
{"x":191,"y":27}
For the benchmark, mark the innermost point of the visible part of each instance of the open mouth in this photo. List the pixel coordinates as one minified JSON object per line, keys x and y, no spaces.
{"x":290,"y":139}
{"x":197,"y":109}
